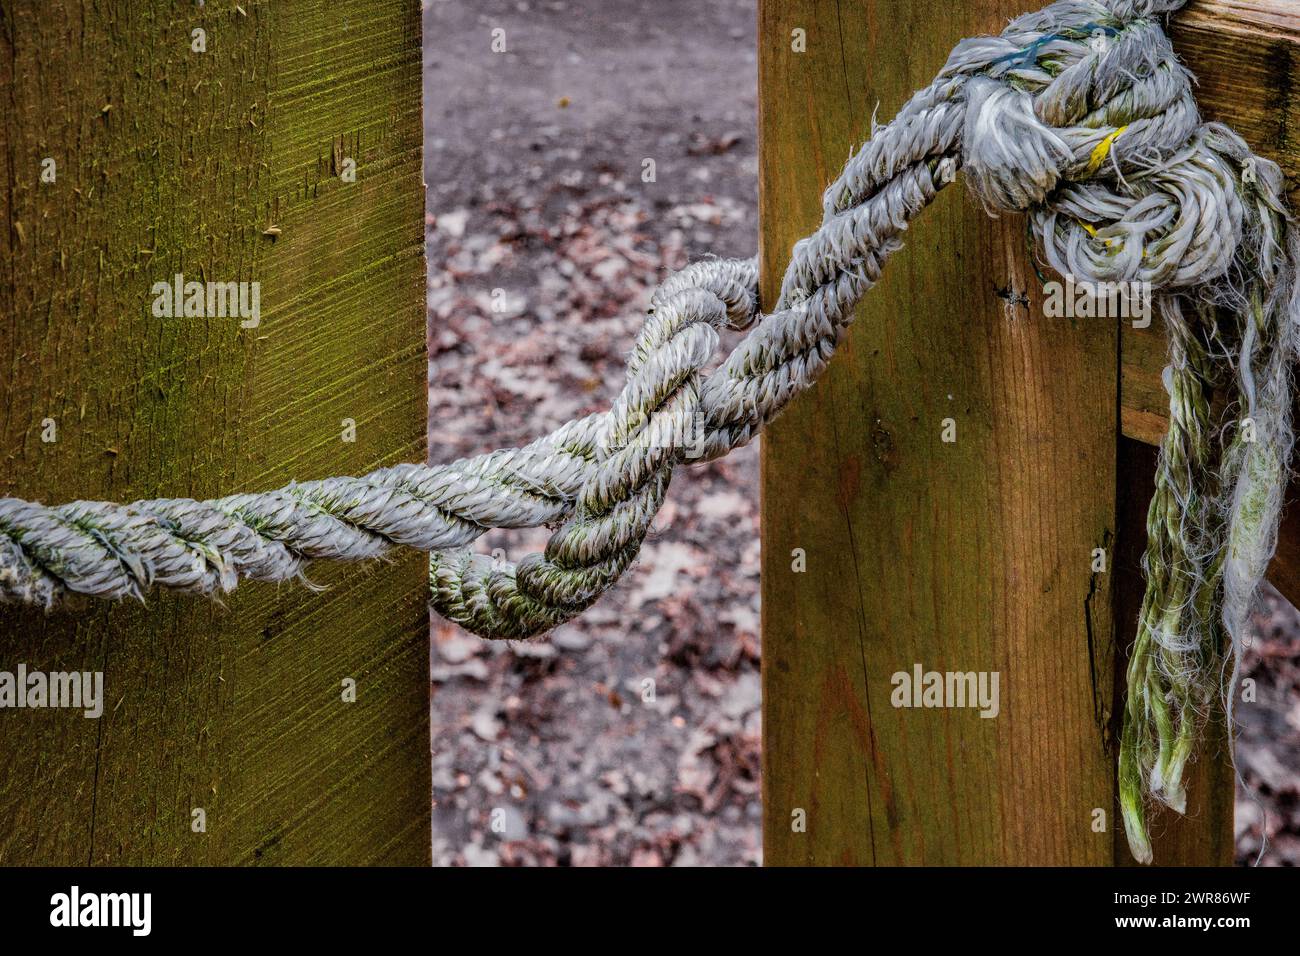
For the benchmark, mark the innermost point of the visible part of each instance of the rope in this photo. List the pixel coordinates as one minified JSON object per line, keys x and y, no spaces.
{"x":1079,"y":115}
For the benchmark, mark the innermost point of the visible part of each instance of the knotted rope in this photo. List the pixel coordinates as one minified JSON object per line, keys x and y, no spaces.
{"x":1079,"y":115}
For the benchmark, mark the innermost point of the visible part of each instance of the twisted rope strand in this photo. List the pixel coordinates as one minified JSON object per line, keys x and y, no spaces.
{"x":1079,"y":115}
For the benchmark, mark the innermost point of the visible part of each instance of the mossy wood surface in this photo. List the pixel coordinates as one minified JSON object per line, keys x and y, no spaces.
{"x":975,"y":555}
{"x":224,"y":165}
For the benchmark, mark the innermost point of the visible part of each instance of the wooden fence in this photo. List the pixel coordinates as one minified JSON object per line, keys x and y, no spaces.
{"x":886,"y":547}
{"x":279,"y":143}
{"x":268,"y":142}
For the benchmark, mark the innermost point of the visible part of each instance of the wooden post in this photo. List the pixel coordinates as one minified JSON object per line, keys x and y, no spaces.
{"x":886,"y":547}
{"x":217,"y":142}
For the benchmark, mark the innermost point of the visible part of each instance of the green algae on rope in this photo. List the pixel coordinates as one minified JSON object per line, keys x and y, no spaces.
{"x":1078,"y":115}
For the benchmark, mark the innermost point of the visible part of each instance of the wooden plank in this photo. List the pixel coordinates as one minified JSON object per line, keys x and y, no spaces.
{"x":1246,"y":57}
{"x":175,"y":161}
{"x":972,"y":556}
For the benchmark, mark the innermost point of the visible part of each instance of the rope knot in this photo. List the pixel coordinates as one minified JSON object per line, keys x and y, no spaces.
{"x":1081,"y":115}
{"x":1075,"y":93}
{"x":1012,"y":159}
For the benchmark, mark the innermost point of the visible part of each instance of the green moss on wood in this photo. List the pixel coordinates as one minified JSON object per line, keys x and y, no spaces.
{"x":171,"y":161}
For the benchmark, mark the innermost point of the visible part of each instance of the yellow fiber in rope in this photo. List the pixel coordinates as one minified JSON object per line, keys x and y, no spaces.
{"x":1092,"y":231}
{"x":1103,"y":150}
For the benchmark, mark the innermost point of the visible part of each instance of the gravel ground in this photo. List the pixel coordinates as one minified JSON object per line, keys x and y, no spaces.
{"x":631,"y":736}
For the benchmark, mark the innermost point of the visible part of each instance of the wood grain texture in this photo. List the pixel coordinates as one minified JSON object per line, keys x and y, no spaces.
{"x":971,"y":556}
{"x":174,"y":161}
{"x":964,"y":557}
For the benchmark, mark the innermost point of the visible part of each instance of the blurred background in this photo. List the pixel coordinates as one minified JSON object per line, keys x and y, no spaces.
{"x":544,"y":243}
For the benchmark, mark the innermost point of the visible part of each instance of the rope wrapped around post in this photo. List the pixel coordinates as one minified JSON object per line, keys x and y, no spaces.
{"x":1078,"y":115}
